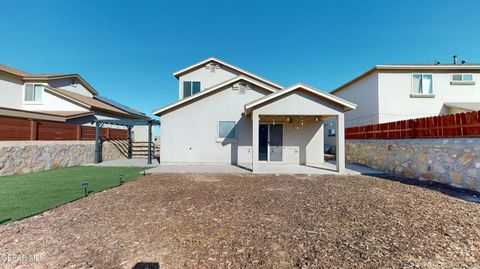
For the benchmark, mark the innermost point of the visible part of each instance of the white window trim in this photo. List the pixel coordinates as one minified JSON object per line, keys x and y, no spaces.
{"x":414,"y":94}
{"x":462,"y":82}
{"x":33,"y":102}
{"x":224,"y":139}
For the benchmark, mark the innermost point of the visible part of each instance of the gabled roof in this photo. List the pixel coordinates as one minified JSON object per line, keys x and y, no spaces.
{"x":89,"y":102}
{"x":196,"y":96}
{"x":300,"y":86}
{"x":411,"y":67}
{"x":241,"y":71}
{"x":45,"y":77}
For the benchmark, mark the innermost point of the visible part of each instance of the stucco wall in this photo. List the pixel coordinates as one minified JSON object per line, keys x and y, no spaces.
{"x":189,"y":134}
{"x":364,"y":93}
{"x":30,"y":156}
{"x":11,"y":92}
{"x":396,"y":104}
{"x":66,"y":84}
{"x":451,"y":161}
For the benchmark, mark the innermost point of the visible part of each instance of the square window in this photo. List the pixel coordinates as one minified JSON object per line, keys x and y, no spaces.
{"x":422,"y":83}
{"x":226,"y":129}
{"x":33,"y":92}
{"x":468,"y":77}
{"x":190,"y":88}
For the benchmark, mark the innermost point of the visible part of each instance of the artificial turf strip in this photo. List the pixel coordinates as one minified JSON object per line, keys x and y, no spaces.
{"x":29,"y":194}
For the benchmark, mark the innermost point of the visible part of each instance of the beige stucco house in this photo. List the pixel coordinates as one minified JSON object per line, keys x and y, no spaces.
{"x":228,"y":115}
{"x":59,"y":97}
{"x":389,"y":93}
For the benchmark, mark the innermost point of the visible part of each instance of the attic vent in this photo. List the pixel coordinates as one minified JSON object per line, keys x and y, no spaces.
{"x":241,"y":87}
{"x":212,"y":67}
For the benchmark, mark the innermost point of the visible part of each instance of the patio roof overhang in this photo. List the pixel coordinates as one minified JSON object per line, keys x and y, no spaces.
{"x":346,"y":105}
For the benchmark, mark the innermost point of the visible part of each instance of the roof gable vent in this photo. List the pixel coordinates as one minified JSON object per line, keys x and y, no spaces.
{"x":241,"y":87}
{"x":212,"y":67}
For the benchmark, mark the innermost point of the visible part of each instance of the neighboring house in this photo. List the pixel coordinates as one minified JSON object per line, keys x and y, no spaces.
{"x":59,"y":97}
{"x":228,"y":115}
{"x":389,"y":93}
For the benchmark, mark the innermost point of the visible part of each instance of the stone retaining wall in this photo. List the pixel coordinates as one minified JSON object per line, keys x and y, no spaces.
{"x":451,"y":161}
{"x":19,"y":157}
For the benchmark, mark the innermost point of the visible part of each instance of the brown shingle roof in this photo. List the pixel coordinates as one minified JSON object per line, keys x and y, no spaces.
{"x":13,"y":71}
{"x":29,"y":76}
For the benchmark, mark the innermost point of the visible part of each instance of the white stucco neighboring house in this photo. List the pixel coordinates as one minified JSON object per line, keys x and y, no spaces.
{"x":228,"y":115}
{"x":389,"y":93}
{"x":60,"y":97}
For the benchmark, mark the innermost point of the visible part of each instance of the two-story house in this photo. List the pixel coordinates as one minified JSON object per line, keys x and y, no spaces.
{"x":389,"y":93}
{"x":59,"y":97}
{"x":228,"y":115}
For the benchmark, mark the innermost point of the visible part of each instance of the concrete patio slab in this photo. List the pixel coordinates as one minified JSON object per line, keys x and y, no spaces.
{"x":322,"y":169}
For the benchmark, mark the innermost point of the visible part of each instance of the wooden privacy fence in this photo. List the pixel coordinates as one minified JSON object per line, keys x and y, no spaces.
{"x":23,"y":129}
{"x":446,"y":126}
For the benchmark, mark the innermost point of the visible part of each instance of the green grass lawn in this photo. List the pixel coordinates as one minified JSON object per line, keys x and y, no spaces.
{"x":29,"y":194}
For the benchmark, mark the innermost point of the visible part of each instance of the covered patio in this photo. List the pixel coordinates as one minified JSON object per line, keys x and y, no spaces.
{"x":288,"y":128}
{"x":129,"y":124}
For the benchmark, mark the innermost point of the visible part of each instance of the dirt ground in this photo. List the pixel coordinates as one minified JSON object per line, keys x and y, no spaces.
{"x":251,"y":221}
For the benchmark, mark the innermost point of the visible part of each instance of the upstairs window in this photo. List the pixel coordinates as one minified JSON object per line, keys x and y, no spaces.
{"x":422,"y":84}
{"x":190,"y":87}
{"x":33,"y":93}
{"x":462,"y":77}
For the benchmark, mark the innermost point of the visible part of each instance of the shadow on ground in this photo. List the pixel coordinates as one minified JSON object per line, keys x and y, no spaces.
{"x":146,"y":265}
{"x":464,"y":194}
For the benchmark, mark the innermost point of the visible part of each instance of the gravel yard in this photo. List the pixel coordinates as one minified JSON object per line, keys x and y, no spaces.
{"x":251,"y":221}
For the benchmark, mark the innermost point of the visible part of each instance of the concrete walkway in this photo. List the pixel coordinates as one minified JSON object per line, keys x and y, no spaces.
{"x":134,"y":162}
{"x":323,"y":169}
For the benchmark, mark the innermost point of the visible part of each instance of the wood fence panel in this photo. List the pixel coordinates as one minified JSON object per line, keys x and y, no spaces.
{"x":445,"y":126}
{"x":56,"y":131}
{"x":88,"y":133}
{"x":14,"y":129}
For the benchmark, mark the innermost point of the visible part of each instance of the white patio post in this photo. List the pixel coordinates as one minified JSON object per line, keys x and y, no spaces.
{"x":255,"y":122}
{"x":340,"y":144}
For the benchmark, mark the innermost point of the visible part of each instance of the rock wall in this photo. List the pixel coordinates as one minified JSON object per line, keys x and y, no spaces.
{"x":451,"y":161}
{"x":19,"y":157}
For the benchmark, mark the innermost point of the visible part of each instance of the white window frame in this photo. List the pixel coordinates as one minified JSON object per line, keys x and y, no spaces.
{"x":225,"y":139}
{"x":462,"y":82}
{"x":41,"y":94}
{"x":414,"y":94}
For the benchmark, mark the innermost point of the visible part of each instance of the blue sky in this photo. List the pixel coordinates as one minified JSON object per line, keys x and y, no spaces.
{"x":128,"y":50}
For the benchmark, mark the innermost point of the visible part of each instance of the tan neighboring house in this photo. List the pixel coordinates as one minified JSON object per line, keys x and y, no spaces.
{"x":226,"y":114}
{"x":389,"y":93}
{"x":59,"y":97}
